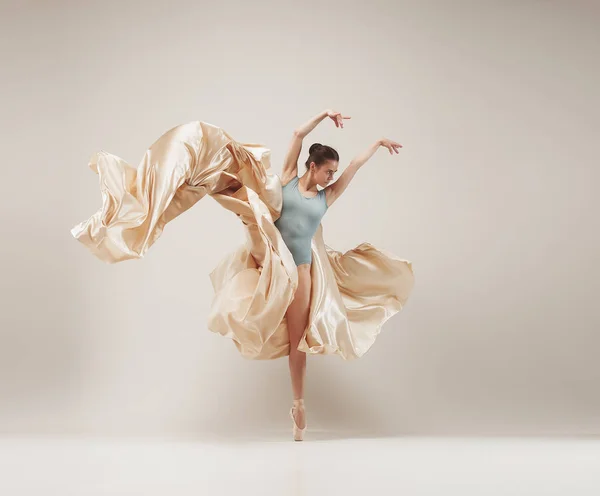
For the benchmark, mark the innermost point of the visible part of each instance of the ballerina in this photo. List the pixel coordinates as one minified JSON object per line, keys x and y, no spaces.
{"x":303,"y":208}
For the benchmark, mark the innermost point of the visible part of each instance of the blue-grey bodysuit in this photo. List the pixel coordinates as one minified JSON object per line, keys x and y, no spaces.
{"x":300,"y":217}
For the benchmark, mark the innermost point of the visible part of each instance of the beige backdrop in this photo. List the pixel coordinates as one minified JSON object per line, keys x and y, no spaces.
{"x":493,"y":198}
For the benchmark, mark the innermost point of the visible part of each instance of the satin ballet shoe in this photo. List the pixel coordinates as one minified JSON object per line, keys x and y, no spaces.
{"x":298,"y":433}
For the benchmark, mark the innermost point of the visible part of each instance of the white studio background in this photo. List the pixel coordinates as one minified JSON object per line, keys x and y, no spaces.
{"x":493,"y":198}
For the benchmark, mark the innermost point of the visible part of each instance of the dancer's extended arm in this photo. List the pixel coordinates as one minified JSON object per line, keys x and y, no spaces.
{"x":333,"y":191}
{"x":290,"y":164}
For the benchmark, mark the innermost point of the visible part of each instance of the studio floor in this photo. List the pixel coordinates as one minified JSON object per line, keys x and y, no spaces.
{"x":321,"y":465}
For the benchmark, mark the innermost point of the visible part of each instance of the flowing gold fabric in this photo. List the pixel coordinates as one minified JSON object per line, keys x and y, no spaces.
{"x":353,"y":293}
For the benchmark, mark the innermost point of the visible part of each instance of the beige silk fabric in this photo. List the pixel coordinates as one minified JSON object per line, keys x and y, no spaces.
{"x":352,"y":295}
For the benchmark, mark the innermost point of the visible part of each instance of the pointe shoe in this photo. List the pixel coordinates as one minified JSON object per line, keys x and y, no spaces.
{"x":298,"y":433}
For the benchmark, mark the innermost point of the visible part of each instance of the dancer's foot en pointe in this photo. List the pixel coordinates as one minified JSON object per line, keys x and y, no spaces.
{"x":298,"y":416}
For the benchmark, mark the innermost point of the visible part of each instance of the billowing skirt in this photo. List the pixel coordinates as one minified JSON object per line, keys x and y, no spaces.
{"x":353,"y":294}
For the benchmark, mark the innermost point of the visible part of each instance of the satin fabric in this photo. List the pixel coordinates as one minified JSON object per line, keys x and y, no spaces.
{"x":353,"y":294}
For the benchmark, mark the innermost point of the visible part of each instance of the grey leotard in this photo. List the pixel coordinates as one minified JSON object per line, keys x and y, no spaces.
{"x":299,"y":220}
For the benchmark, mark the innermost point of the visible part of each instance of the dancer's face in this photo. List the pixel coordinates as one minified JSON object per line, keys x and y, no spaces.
{"x":324,"y":174}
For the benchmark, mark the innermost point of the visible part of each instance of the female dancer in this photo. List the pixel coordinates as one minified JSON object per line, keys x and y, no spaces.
{"x":303,"y":208}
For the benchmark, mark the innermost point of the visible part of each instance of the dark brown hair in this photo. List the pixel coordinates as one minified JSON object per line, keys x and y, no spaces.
{"x":319,"y":154}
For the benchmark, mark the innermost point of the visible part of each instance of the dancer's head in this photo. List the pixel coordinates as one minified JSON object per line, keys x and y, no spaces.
{"x":323,"y":163}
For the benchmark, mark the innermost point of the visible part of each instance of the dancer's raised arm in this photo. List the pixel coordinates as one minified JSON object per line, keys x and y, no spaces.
{"x":334,"y":190}
{"x":290,"y":164}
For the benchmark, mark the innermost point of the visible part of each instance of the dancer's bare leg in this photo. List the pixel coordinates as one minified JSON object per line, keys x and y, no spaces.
{"x":297,"y":320}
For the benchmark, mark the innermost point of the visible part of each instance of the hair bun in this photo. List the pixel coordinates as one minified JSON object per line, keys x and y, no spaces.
{"x":314,"y":147}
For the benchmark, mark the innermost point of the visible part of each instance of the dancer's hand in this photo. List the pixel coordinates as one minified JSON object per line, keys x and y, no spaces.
{"x":392,"y":146}
{"x":337,"y":117}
